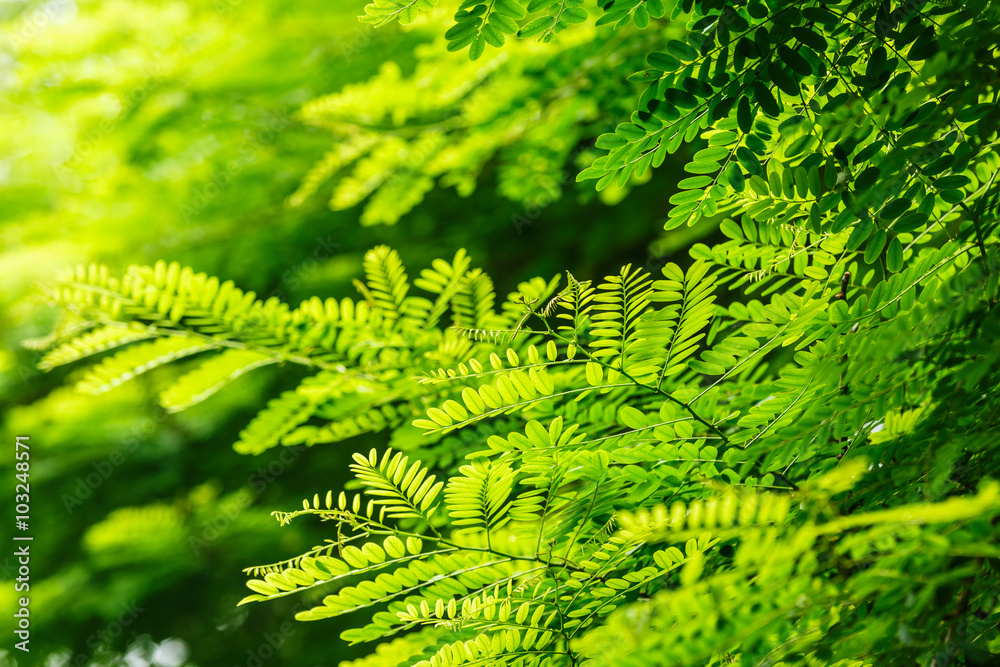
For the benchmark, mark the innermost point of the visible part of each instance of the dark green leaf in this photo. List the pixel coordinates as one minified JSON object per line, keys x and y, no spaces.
{"x":874,"y":248}
{"x":867,"y":178}
{"x":813,"y":40}
{"x":744,"y":115}
{"x":765,"y":99}
{"x":894,"y":256}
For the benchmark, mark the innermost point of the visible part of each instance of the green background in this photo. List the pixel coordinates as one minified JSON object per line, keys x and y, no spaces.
{"x":137,"y":131}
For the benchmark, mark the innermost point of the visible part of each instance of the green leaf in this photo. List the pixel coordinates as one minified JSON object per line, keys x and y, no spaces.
{"x":662,"y":61}
{"x":782,"y":79}
{"x":701,"y":167}
{"x":860,"y":234}
{"x":735,"y":177}
{"x":510,"y":8}
{"x":765,"y":99}
{"x":632,"y":418}
{"x":695,"y":182}
{"x":681,"y":50}
{"x":793,"y":59}
{"x":477,"y":48}
{"x":894,"y":256}
{"x":875,"y":245}
{"x":812,"y":39}
{"x":867,"y":178}
{"x":744,"y":115}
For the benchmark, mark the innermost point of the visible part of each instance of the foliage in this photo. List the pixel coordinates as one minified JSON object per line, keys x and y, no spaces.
{"x":525,"y":111}
{"x":140,"y":130}
{"x":652,"y":466}
{"x":364,"y":353}
{"x":783,"y":452}
{"x":123,"y":119}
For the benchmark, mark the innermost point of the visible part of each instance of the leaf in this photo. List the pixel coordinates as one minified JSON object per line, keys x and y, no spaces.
{"x":211,"y":376}
{"x":662,"y":61}
{"x":138,"y":359}
{"x":894,"y":256}
{"x":682,"y":51}
{"x":765,"y":99}
{"x":632,"y":418}
{"x":794,"y":60}
{"x":860,"y":234}
{"x":735,"y":176}
{"x":875,"y":245}
{"x":477,"y":48}
{"x":536,"y":26}
{"x":744,"y":115}
{"x":812,"y":39}
{"x":867,"y":178}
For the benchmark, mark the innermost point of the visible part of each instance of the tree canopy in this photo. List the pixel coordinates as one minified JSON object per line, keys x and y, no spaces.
{"x":633,"y":333}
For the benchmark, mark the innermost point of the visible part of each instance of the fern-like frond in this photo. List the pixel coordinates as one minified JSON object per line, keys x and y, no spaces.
{"x":211,"y":376}
{"x":138,"y":359}
{"x":405,"y":490}
{"x":619,"y":303}
{"x":387,"y":281}
{"x":479,"y":497}
{"x":282,"y":415}
{"x":92,"y":342}
{"x":474,"y":301}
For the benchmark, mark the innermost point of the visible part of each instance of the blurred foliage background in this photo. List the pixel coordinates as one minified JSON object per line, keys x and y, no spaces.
{"x":207,"y":133}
